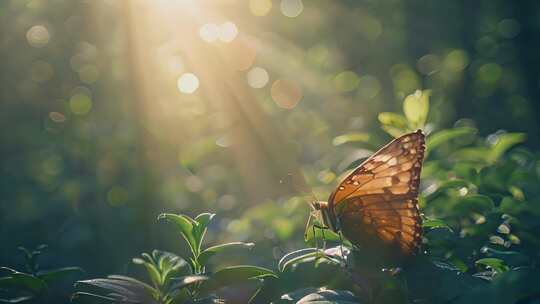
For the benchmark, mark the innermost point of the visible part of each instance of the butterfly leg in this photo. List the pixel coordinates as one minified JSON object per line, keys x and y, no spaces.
{"x":315,"y":226}
{"x":341,"y":249}
{"x":323,"y":237}
{"x":315,"y":238}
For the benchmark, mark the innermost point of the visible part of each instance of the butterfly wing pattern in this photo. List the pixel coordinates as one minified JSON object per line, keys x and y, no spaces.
{"x":377,"y":203}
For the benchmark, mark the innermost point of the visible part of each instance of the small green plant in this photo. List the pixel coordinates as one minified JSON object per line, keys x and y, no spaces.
{"x":174,"y":279}
{"x":34,"y":284}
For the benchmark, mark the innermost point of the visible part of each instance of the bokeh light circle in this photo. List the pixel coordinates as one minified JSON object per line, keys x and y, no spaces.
{"x":57,"y":117}
{"x":286,"y":93}
{"x":209,"y":32}
{"x":80,"y":103}
{"x":260,"y":7}
{"x":257,"y":77}
{"x":188,"y":83}
{"x":227,"y":32}
{"x":291,"y":8}
{"x":346,"y":81}
{"x":38,"y":36}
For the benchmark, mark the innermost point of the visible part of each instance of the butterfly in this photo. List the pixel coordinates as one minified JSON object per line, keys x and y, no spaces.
{"x":376,"y":206}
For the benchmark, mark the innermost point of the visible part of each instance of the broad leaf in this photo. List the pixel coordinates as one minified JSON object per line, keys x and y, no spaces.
{"x":234,"y":275}
{"x":393,"y":131}
{"x":58,"y":274}
{"x":350,"y":137}
{"x":393,"y":120}
{"x":168,"y":264}
{"x":497,"y":265}
{"x":451,"y":184}
{"x":475,"y":203}
{"x":128,"y":289}
{"x":81,"y":297}
{"x":186,"y":226}
{"x":313,"y":233}
{"x":151,"y":269}
{"x":181,"y":282}
{"x":297,"y":256}
{"x":321,"y":296}
{"x":434,"y":224}
{"x":416,"y":108}
{"x":513,"y":258}
{"x":199,"y":229}
{"x":23,"y":281}
{"x":211,"y":251}
{"x":436,"y":139}
{"x":21,"y":299}
{"x":503,"y":143}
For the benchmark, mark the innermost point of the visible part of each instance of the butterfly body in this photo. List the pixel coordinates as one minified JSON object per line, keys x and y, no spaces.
{"x":376,"y":207}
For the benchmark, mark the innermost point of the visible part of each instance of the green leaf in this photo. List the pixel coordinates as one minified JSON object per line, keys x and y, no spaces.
{"x":58,"y":274}
{"x":497,"y":265}
{"x":300,"y":293}
{"x":314,"y":233}
{"x":294,"y":257}
{"x":211,"y":251}
{"x":199,"y":229}
{"x":128,"y":289}
{"x":503,"y":143}
{"x":92,"y":298}
{"x":395,"y":120}
{"x":167,"y":263}
{"x":475,"y":203}
{"x":181,"y":282}
{"x":513,"y":258}
{"x":22,"y":299}
{"x":204,"y":219}
{"x":8,"y":270}
{"x":324,"y":296}
{"x":476,"y":154}
{"x":134,"y":281}
{"x":212,"y":299}
{"x":234,"y":275}
{"x":442,"y":136}
{"x":350,"y":137}
{"x":151,"y":269}
{"x":416,"y":108}
{"x":186,"y":226}
{"x":435,"y":224}
{"x":451,"y":184}
{"x":19,"y":280}
{"x":393,"y":131}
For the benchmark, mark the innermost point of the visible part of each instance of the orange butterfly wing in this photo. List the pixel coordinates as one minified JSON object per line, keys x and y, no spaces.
{"x":378,"y":200}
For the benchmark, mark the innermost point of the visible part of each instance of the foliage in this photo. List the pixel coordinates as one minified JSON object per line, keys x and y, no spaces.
{"x":476,"y":230}
{"x":35,"y":284}
{"x":170,"y":281}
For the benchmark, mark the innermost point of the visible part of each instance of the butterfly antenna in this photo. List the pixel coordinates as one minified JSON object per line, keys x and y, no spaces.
{"x":298,"y":180}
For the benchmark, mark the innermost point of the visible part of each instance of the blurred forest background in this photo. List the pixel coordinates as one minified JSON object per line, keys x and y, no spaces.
{"x":115,"y":111}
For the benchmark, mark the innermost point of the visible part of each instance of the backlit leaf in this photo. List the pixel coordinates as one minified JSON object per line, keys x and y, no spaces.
{"x":233,"y":275}
{"x":350,"y":137}
{"x":416,"y":108}
{"x":211,"y":251}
